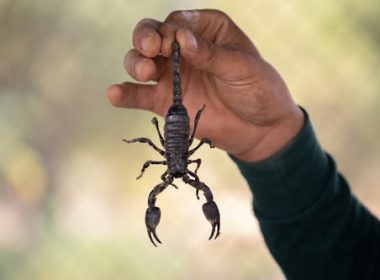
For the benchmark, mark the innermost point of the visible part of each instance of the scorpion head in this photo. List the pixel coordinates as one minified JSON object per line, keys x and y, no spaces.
{"x":177,"y":164}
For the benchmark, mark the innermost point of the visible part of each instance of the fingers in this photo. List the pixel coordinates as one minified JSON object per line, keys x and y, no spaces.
{"x":131,"y":95}
{"x":198,"y":52}
{"x":208,"y":40}
{"x":143,"y":69}
{"x":152,"y":37}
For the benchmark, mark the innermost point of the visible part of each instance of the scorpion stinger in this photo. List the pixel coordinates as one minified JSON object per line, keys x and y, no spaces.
{"x":176,"y":143}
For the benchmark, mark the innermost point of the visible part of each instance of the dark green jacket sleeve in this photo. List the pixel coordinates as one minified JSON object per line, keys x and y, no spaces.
{"x":312,"y":224}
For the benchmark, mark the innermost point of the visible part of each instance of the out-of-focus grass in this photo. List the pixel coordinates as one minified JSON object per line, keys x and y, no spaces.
{"x":70,"y":207}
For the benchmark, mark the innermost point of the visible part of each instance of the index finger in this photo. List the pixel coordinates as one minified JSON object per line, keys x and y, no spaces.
{"x":146,"y":38}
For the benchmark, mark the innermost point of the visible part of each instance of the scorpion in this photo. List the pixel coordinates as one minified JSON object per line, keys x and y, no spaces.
{"x":176,"y":142}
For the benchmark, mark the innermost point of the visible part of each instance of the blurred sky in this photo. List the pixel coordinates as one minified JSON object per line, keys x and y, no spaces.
{"x":70,"y":207}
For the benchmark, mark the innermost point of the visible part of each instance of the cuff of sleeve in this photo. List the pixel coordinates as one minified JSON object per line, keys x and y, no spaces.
{"x":290,"y":181}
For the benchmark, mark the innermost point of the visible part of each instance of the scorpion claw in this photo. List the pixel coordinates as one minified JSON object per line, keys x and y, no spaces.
{"x":211,"y":211}
{"x":152,"y":219}
{"x":175,"y":186}
{"x":150,"y":233}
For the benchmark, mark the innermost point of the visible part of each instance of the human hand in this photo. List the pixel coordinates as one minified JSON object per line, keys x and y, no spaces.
{"x":249,"y":111}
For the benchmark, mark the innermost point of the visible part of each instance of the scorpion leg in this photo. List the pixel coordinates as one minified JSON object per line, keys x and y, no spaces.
{"x":197,"y":161}
{"x":163,"y":178}
{"x":153,"y":213}
{"x":146,"y":165}
{"x":146,"y":140}
{"x":195,"y":186}
{"x":210,"y":209}
{"x":196,"y":120}
{"x":203,"y":141}
{"x":155,"y":122}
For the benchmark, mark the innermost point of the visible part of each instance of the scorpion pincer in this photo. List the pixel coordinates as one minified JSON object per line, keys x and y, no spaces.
{"x":176,"y":145}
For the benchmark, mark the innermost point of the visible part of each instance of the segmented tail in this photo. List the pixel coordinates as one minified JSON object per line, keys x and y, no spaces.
{"x":177,"y":91}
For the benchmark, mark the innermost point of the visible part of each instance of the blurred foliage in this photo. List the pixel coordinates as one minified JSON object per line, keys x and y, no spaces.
{"x":70,"y":207}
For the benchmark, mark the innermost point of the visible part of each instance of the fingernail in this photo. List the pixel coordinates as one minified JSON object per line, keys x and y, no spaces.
{"x":191,"y":42}
{"x":146,"y":42}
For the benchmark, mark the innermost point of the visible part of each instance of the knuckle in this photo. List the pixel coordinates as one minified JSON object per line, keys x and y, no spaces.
{"x":212,"y":53}
{"x":141,"y":23}
{"x":209,"y":56}
{"x":183,"y":17}
{"x":147,"y":23}
{"x":220,"y":14}
{"x":174,"y":15}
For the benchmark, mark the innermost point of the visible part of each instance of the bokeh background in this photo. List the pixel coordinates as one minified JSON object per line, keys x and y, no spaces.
{"x":70,"y":207}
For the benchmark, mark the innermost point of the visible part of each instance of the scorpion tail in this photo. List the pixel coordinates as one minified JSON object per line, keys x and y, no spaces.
{"x":177,"y":91}
{"x":152,"y":219}
{"x":210,"y":209}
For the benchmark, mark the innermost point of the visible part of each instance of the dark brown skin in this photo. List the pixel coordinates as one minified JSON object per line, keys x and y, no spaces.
{"x":249,"y":111}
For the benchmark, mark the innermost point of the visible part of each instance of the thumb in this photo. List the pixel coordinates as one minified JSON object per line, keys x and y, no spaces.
{"x":218,"y":60}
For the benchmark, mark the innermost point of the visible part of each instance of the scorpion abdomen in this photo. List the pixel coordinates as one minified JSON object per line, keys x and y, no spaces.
{"x":176,"y":133}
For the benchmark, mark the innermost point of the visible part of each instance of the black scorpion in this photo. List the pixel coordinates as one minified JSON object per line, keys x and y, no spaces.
{"x":176,"y":143}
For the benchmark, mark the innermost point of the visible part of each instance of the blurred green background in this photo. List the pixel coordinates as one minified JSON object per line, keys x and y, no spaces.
{"x":70,"y":207}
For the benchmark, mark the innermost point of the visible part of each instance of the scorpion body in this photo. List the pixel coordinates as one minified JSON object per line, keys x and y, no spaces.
{"x":176,"y":143}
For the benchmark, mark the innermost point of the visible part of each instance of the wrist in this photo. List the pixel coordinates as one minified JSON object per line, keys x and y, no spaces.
{"x":275,"y":138}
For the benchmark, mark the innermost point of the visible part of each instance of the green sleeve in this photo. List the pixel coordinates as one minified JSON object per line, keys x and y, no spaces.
{"x":312,"y":224}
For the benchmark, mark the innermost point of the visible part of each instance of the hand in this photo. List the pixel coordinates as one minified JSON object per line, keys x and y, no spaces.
{"x":249,"y":111}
